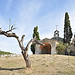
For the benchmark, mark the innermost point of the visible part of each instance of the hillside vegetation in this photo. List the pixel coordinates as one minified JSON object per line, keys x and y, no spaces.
{"x":41,"y":65}
{"x":3,"y":53}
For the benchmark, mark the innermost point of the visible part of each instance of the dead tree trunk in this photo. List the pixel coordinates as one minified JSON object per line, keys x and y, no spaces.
{"x":20,"y":41}
{"x":24,"y":50}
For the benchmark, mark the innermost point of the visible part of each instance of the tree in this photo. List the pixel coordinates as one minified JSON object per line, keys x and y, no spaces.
{"x":24,"y":50}
{"x":35,"y":34}
{"x":61,"y":48}
{"x":67,"y":29}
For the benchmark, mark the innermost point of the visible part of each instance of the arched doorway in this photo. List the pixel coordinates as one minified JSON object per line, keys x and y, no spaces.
{"x":45,"y":49}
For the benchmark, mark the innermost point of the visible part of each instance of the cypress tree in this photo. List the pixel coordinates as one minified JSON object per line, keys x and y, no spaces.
{"x":67,"y":29}
{"x":35,"y":34}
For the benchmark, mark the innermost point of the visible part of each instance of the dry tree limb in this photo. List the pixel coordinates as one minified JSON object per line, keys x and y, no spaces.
{"x":20,"y":41}
{"x":24,"y":49}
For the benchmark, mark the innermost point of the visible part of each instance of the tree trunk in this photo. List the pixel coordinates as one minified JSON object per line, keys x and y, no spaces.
{"x":24,"y":49}
{"x":27,"y":60}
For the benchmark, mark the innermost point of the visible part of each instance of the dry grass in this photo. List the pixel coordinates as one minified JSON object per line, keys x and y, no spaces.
{"x":41,"y":65}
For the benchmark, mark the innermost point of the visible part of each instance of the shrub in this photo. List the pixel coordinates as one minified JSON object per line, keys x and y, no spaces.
{"x":61,"y":47}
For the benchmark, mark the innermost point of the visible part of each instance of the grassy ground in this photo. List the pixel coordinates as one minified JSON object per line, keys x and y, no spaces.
{"x":41,"y":65}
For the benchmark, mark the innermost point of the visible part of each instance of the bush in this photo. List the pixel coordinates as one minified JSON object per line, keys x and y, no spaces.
{"x":61,"y":47}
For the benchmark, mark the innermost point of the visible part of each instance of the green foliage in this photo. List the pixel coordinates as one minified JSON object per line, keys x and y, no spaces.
{"x":74,"y":43}
{"x":35,"y":34}
{"x":61,"y":48}
{"x":33,"y":48}
{"x":67,"y":29}
{"x":2,"y":53}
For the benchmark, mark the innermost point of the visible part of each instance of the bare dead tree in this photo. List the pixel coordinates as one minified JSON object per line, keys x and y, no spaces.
{"x":24,"y":50}
{"x":9,"y":33}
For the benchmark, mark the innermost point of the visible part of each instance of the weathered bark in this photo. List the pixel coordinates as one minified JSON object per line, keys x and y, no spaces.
{"x":25,"y":53}
{"x":27,"y":59}
{"x":24,"y":49}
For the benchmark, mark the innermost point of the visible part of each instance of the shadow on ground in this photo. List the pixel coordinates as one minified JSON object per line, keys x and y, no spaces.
{"x":11,"y":69}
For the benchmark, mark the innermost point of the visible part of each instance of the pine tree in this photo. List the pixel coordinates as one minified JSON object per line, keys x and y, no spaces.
{"x":67,"y":29}
{"x":35,"y":34}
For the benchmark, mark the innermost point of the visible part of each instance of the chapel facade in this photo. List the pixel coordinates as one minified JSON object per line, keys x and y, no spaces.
{"x":49,"y":46}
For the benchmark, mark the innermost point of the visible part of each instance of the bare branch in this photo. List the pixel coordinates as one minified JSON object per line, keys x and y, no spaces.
{"x":9,"y":34}
{"x":38,"y":42}
{"x":22,"y":39}
{"x":0,"y":30}
{"x":24,"y":50}
{"x":12,"y":28}
{"x":29,"y":43}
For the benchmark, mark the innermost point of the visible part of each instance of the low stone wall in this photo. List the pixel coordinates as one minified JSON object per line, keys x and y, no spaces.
{"x":10,"y":55}
{"x":71,"y":49}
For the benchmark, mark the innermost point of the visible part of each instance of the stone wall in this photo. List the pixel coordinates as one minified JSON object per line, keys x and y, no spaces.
{"x":10,"y":55}
{"x":46,"y":40}
{"x":71,"y":49}
{"x":37,"y":49}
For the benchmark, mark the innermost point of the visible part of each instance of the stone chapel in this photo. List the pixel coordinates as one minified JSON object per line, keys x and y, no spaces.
{"x":49,"y":46}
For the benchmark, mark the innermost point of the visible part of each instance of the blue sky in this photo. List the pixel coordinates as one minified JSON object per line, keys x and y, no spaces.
{"x":27,"y":14}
